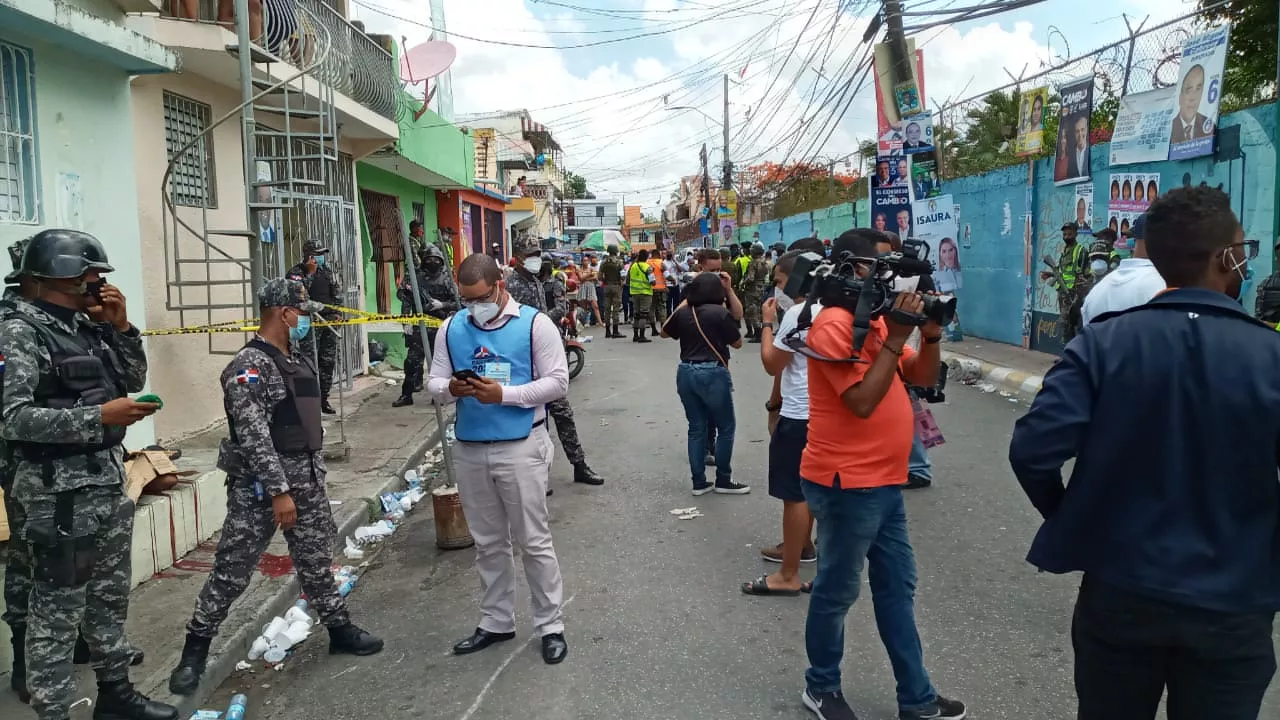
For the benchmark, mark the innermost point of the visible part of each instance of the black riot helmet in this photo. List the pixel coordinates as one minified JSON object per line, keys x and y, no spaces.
{"x":63,"y":254}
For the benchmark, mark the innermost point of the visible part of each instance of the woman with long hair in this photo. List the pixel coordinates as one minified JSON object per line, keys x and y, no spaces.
{"x":706,"y":331}
{"x":947,"y":276}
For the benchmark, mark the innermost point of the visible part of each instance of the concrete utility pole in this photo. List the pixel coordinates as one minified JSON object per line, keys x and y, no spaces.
{"x":247,"y":130}
{"x":727,"y":181}
{"x":897,"y":41}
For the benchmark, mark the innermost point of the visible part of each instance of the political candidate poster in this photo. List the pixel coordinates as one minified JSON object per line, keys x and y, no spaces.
{"x":1071,"y":164}
{"x":1030,"y":138}
{"x":890,"y":191}
{"x":934,"y":222}
{"x":1142,"y":127}
{"x":1129,"y":196}
{"x":1199,"y":90}
{"x":1084,"y":207}
{"x":917,"y":134}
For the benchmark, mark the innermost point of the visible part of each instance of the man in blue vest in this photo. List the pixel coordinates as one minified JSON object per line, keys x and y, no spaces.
{"x":502,"y":362}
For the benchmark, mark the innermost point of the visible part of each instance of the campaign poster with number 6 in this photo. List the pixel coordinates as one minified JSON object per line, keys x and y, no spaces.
{"x":1199,"y":91}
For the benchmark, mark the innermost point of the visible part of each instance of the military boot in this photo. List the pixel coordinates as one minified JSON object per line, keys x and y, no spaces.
{"x":642,"y":338}
{"x":616,"y":334}
{"x":186,"y":677}
{"x":351,"y":640}
{"x":18,"y":680}
{"x":118,"y":700}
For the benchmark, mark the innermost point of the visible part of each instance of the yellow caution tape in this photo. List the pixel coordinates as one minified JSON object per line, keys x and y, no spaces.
{"x":247,"y":326}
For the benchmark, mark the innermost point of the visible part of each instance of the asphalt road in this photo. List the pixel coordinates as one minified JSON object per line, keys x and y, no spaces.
{"x":657,"y":626}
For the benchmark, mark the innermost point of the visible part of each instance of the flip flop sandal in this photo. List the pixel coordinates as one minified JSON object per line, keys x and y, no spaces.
{"x":760,"y":586}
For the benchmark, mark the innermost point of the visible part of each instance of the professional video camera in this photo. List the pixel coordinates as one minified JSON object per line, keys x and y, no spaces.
{"x":836,"y":282}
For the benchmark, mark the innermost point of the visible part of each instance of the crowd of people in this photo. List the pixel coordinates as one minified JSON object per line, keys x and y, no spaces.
{"x":1165,"y":400}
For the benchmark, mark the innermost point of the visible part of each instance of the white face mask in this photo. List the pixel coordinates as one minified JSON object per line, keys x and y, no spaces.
{"x":784,"y":301}
{"x":1099,"y":266}
{"x":533,"y":264}
{"x":484,"y":312}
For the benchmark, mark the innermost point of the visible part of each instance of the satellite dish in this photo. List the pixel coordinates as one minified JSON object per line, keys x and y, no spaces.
{"x":423,"y":62}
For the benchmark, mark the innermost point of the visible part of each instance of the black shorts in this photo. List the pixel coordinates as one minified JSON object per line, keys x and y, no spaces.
{"x":785,"y":448}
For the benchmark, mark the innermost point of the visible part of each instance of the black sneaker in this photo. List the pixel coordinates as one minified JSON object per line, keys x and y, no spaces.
{"x":732,"y":488}
{"x":918,"y":482}
{"x":828,"y":705}
{"x":941,"y":709}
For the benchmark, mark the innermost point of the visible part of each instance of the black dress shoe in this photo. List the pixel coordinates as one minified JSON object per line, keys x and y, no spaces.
{"x":479,"y":640}
{"x":326,"y":408}
{"x":402,"y":401}
{"x":585,"y":475}
{"x":554,"y":648}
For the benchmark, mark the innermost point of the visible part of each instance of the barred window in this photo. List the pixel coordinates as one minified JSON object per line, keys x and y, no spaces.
{"x":192,"y":182}
{"x":19,"y":176}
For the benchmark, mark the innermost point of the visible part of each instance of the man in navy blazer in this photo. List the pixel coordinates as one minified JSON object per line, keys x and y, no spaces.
{"x":1172,"y":412}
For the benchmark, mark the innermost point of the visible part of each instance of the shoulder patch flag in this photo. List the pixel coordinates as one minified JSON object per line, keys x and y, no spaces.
{"x":1,"y":364}
{"x":248,"y":376}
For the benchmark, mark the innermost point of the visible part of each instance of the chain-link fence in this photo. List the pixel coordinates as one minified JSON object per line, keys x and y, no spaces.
{"x":977,"y":134}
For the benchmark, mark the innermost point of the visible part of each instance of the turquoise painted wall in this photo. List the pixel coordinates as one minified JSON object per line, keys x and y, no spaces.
{"x":995,"y":207}
{"x":408,"y":192}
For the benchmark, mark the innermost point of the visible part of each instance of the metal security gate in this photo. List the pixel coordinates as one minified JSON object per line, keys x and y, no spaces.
{"x":331,"y":220}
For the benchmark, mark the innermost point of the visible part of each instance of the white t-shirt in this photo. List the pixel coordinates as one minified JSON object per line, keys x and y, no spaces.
{"x":795,"y":376}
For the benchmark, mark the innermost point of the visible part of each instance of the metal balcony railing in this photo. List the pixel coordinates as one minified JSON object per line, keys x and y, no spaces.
{"x":356,"y":66}
{"x":592,"y":221}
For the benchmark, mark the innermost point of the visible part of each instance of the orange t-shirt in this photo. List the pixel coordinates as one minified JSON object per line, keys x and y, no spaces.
{"x":866,"y":453}
{"x":659,"y":280}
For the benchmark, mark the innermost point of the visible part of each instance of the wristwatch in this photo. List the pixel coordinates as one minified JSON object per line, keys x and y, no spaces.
{"x":773,"y":327}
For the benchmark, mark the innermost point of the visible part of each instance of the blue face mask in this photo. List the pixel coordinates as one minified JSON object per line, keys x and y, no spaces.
{"x":320,"y":260}
{"x":1246,"y":284}
{"x":304,"y":326}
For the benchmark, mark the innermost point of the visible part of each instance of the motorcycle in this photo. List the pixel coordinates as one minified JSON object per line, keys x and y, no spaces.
{"x":576,"y":354}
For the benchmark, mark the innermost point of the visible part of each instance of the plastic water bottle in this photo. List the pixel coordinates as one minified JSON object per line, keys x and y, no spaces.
{"x":449,"y":437}
{"x":412,"y":480}
{"x":346,"y":587}
{"x":236,"y":710}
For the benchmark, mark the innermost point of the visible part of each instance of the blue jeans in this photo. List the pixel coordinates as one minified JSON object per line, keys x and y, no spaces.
{"x":706,"y":391}
{"x":853,"y":526}
{"x":918,"y":463}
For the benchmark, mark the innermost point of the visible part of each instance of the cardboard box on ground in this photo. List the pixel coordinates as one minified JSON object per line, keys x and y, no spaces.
{"x":152,"y":472}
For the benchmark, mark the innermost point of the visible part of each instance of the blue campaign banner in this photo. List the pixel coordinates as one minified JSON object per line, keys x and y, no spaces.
{"x":1199,"y":91}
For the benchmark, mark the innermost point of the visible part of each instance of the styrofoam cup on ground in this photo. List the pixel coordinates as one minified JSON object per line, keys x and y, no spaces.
{"x":275,"y":654}
{"x":297,"y":615}
{"x":275,"y":627}
{"x":259,"y":648}
{"x":296,"y":633}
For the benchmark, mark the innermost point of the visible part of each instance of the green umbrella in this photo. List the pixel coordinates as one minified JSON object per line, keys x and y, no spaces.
{"x":600,"y":240}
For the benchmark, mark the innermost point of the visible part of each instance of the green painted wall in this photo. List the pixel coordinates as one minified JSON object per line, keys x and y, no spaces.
{"x":381,"y":181}
{"x":436,"y":145}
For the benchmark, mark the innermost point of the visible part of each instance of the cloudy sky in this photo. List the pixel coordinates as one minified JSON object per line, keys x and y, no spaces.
{"x":609,"y":101}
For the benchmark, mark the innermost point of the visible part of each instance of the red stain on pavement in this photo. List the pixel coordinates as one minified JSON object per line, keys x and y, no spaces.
{"x":274,"y":566}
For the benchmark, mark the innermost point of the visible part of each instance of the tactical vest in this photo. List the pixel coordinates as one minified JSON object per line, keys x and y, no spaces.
{"x":504,"y":353}
{"x":84,"y":372}
{"x":296,"y":425}
{"x":611,"y":271}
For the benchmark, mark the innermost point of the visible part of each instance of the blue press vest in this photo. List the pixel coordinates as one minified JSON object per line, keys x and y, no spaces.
{"x":471,"y":348}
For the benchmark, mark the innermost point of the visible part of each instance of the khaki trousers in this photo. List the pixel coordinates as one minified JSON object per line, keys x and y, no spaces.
{"x":504,"y":495}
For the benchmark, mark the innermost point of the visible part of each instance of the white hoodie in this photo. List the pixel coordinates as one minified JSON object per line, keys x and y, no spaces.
{"x":1134,"y":282}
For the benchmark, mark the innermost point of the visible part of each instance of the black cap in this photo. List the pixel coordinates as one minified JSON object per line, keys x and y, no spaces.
{"x":1070,"y":226}
{"x":1138,"y":230}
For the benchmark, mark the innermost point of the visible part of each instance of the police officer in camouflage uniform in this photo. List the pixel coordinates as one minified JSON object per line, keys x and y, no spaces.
{"x":754,"y":282}
{"x":1071,"y":277}
{"x":70,"y":355}
{"x":439,"y":298}
{"x":524,"y":286}
{"x":322,"y":285}
{"x":554,"y":296}
{"x":611,"y":279}
{"x":275,"y":469}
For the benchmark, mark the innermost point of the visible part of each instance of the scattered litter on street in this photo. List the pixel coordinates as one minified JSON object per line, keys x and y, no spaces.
{"x":206,"y":715}
{"x":243,"y":665}
{"x":688,"y":513}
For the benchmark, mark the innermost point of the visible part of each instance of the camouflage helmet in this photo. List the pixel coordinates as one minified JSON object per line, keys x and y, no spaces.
{"x":431,"y":252}
{"x":287,"y":292}
{"x":63,"y":254}
{"x":1100,"y":249}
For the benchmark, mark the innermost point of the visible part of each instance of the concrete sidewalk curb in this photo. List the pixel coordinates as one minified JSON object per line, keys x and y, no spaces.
{"x":232,"y":647}
{"x":1022,"y":385}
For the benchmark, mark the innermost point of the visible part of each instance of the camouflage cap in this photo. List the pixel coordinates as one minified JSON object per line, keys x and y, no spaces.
{"x":524,"y":247}
{"x":283,"y":292}
{"x":311,"y":248}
